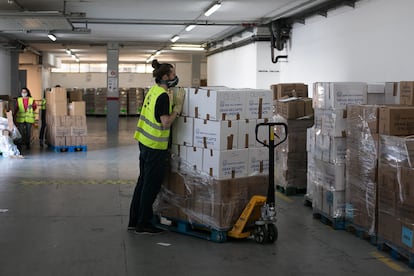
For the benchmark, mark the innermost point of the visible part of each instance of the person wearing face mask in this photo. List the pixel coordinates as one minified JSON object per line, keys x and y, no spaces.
{"x":25,"y":116}
{"x":153,"y":133}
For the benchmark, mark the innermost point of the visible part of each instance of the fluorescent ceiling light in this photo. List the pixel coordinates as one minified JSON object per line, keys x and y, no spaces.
{"x":77,"y":59}
{"x":174,"y":38}
{"x":151,"y":58}
{"x":73,"y":56}
{"x":213,"y":9}
{"x":68,"y":51}
{"x":158,"y":52}
{"x":187,"y":48}
{"x":189,"y":27}
{"x":52,"y":37}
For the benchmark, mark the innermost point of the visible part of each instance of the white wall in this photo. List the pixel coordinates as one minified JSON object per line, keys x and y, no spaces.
{"x":5,"y":78}
{"x":249,"y":66}
{"x":372,"y":42}
{"x":234,"y":68}
{"x":93,"y":80}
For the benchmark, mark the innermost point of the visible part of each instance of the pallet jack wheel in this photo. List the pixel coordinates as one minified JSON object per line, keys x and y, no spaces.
{"x":260,"y":234}
{"x":272,"y":233}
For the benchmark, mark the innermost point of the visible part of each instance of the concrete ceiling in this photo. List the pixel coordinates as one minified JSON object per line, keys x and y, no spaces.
{"x":140,"y":27}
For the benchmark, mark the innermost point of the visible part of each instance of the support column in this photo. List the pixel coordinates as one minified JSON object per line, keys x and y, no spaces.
{"x":112,"y":117}
{"x":195,"y":70}
{"x":14,"y":74}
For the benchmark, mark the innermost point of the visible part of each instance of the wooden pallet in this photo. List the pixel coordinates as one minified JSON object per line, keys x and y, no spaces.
{"x":288,"y":191}
{"x":396,"y":252}
{"x":69,"y":148}
{"x":193,"y":229}
{"x":335,"y":223}
{"x":361,"y":232}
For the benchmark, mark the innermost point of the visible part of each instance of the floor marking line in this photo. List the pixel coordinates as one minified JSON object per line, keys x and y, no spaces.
{"x":388,"y":262}
{"x":283,"y":197}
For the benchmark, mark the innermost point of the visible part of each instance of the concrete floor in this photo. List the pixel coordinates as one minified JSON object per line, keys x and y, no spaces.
{"x":67,"y":213}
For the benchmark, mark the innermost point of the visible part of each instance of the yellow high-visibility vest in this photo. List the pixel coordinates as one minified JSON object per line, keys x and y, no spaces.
{"x":43,"y":104}
{"x":149,"y":132}
{"x":23,"y":116}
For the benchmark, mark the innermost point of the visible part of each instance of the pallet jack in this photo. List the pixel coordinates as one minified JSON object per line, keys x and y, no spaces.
{"x":259,"y":215}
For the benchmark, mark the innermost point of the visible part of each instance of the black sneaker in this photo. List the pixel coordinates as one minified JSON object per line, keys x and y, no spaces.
{"x":148,"y":230}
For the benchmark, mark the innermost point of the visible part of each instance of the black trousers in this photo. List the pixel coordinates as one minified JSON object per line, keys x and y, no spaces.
{"x":25,"y":130}
{"x":43,"y":127}
{"x":152,"y":168}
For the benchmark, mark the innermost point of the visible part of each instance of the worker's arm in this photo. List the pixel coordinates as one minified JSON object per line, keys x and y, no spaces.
{"x":167,"y":120}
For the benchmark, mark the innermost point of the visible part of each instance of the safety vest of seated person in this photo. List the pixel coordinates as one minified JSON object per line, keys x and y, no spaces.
{"x":149,"y":132}
{"x":25,"y":116}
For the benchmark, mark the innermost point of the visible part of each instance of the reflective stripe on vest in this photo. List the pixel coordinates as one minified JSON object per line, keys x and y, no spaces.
{"x":23,"y":116}
{"x":149,"y":132}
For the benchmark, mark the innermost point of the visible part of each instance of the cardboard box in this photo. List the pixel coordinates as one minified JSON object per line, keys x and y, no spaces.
{"x":58,"y":109}
{"x":290,"y":108}
{"x":183,"y":131}
{"x":331,"y":175}
{"x":76,"y":95}
{"x":217,"y":104}
{"x":398,"y":121}
{"x":407,"y":93}
{"x":258,"y":161}
{"x":338,"y":148}
{"x":246,"y":134}
{"x":77,"y":108}
{"x":308,"y":107}
{"x":338,"y":95}
{"x":290,"y":90}
{"x":57,"y":94}
{"x":178,"y":158}
{"x":225,"y":164}
{"x":334,"y":203}
{"x":78,"y":131}
{"x":392,"y":93}
{"x":259,"y":103}
{"x":185,"y":110}
{"x":217,"y":135}
{"x":195,"y":158}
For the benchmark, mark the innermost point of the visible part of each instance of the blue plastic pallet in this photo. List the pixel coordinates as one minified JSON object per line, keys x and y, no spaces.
{"x":396,"y":252}
{"x":335,"y":223}
{"x":361,"y":232}
{"x":69,"y":148}
{"x":194,"y":229}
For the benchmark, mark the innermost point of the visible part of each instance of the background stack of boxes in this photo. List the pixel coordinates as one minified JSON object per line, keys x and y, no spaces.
{"x":217,"y":163}
{"x":327,"y":145}
{"x":293,"y":107}
{"x":135,"y":100}
{"x":123,"y":101}
{"x":66,"y":121}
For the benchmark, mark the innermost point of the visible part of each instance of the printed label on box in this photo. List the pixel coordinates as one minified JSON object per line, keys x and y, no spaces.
{"x":407,"y":237}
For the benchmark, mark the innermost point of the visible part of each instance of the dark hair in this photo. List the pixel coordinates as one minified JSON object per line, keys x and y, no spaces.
{"x":160,"y":69}
{"x":28,"y":91}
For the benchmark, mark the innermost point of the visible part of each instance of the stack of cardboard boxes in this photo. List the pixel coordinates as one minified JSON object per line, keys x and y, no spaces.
{"x":294,"y":108}
{"x":217,"y":164}
{"x":66,"y":123}
{"x":123,"y":101}
{"x":135,"y":100}
{"x":327,"y":145}
{"x":396,"y":172}
{"x":362,"y":156}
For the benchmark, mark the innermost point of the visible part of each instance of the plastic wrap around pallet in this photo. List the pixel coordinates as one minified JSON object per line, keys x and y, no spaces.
{"x":197,"y":198}
{"x":361,"y":167}
{"x":395,"y":193}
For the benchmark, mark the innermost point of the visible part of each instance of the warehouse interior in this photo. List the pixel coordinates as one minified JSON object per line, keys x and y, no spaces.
{"x":336,"y":72}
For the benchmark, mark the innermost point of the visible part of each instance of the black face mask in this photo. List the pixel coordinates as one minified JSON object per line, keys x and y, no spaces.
{"x":173,"y":82}
{"x":169,"y":83}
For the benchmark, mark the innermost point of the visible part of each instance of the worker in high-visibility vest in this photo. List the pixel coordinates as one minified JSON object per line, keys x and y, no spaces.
{"x":152,"y":134}
{"x":25,"y":116}
{"x":42,"y":120}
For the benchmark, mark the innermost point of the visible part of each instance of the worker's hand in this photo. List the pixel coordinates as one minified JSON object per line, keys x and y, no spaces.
{"x":178,"y":100}
{"x":178,"y":108}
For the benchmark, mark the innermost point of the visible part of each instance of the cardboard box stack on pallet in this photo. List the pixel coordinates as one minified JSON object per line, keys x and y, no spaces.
{"x":396,"y":172}
{"x":123,"y":101}
{"x":217,"y":163}
{"x":327,"y":145}
{"x":66,"y":122}
{"x":135,"y":100}
{"x":362,"y":157}
{"x":293,"y":107}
